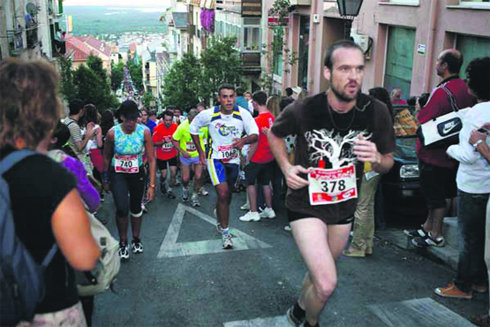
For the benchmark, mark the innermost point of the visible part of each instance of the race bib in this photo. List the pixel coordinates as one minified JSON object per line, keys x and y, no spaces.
{"x":127,"y":164}
{"x":329,"y":186}
{"x":190,"y":147}
{"x":227,"y":152}
{"x":167,"y":147}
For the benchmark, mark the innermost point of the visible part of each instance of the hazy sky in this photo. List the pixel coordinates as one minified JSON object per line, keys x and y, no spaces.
{"x":118,"y":3}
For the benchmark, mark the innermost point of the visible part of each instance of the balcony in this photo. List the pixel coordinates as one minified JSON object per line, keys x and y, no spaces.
{"x":251,"y":63}
{"x":251,"y":8}
{"x":58,"y":47}
{"x":300,"y":2}
{"x":16,"y":44}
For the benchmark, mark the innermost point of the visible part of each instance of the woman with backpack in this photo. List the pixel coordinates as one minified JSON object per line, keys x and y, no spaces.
{"x":44,"y":201}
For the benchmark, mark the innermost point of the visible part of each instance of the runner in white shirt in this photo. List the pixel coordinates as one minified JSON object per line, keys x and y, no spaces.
{"x":226,"y":124}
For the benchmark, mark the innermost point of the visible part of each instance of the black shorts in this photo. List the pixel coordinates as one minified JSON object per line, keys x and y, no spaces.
{"x":260,"y":172}
{"x":293,"y":215}
{"x":172,"y":162}
{"x":438,"y":184}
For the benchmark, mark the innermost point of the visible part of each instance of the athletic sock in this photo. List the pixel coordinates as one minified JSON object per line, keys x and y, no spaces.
{"x":298,"y":312}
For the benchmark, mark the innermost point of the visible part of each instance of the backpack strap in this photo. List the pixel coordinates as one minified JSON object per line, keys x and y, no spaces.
{"x":15,"y":157}
{"x":236,"y":113}
{"x":49,"y":257}
{"x":450,"y":97}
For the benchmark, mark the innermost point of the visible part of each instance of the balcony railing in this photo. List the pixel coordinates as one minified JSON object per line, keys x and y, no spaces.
{"x":15,"y":41}
{"x":251,"y":62}
{"x":32,"y":39}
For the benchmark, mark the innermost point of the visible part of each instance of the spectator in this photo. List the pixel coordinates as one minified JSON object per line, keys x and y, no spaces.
{"x":94,"y":145}
{"x":45,"y":204}
{"x":106,"y":122}
{"x":200,"y":107}
{"x":473,"y":181}
{"x":145,"y":120}
{"x":423,"y":98}
{"x":437,"y":169}
{"x":396,"y":97}
{"x":242,"y":102}
{"x":289,"y":92}
{"x":362,"y":241}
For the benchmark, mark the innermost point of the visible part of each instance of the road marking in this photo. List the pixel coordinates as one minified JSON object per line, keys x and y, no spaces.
{"x":418,"y":312}
{"x":170,"y":248}
{"x":278,"y":321}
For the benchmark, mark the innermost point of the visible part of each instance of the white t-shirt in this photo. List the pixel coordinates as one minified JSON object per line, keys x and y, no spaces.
{"x":223,"y":130}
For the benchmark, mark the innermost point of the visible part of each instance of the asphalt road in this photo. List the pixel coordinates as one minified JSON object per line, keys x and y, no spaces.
{"x":190,"y":281}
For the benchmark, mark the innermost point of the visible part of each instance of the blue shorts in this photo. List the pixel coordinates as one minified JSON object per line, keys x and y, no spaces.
{"x":189,"y":161}
{"x":221,"y":172}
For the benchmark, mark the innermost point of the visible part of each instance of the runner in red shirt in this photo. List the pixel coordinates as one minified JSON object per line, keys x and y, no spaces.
{"x":166,"y":152}
{"x":259,"y":162}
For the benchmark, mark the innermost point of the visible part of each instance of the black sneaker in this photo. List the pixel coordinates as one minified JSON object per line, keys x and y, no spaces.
{"x":171,"y":195}
{"x":415,"y":232}
{"x":123,"y":251}
{"x":423,"y":242}
{"x":293,"y":320}
{"x":137,"y":246}
{"x":163,"y":188}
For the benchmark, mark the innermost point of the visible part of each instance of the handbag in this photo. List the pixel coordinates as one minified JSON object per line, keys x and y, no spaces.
{"x":444,"y":130}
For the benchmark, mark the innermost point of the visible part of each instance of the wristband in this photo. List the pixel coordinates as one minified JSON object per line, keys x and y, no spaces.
{"x":477,"y":143}
{"x":105,"y":177}
{"x":152,"y":185}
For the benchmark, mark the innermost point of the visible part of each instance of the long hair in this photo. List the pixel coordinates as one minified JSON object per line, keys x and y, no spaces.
{"x":273,"y":105}
{"x":30,"y":105}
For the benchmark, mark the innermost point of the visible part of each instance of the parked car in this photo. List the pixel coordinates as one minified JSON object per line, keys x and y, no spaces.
{"x":399,"y":197}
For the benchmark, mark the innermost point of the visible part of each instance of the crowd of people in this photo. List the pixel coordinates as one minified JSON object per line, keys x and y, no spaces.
{"x":328,"y":149}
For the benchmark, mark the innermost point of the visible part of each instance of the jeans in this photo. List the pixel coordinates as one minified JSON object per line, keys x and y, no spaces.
{"x":471,"y":227}
{"x":364,"y":215}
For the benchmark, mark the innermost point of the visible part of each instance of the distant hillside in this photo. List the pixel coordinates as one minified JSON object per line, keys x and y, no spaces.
{"x":111,"y":20}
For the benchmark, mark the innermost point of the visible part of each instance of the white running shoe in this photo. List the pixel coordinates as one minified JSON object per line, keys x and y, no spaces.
{"x":250,"y":216}
{"x":268,"y":213}
{"x":195,"y":200}
{"x":227,"y":243}
{"x":246,"y":206}
{"x":185,"y":194}
{"x":202,"y":191}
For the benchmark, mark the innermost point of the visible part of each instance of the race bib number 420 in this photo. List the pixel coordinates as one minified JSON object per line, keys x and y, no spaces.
{"x":227,"y":152}
{"x":329,"y":186}
{"x":126,"y":164}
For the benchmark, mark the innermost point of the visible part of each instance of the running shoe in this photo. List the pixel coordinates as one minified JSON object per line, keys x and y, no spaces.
{"x":185,"y":194}
{"x":452,"y":291}
{"x":250,"y":216}
{"x":170,"y":194}
{"x":123,"y":251}
{"x":246,"y":206}
{"x":202,"y":191}
{"x":287,"y":228}
{"x":227,"y":243}
{"x":219,"y":228}
{"x":268,"y":213}
{"x":195,"y":200}
{"x":293,"y":320}
{"x":137,"y":246}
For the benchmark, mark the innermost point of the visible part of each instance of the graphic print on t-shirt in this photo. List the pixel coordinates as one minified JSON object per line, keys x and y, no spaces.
{"x":329,"y":144}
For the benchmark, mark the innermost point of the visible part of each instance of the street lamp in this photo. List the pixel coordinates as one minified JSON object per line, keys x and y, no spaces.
{"x":348,"y":9}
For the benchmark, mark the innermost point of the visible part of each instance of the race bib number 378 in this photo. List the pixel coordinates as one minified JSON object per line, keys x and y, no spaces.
{"x":329,"y":186}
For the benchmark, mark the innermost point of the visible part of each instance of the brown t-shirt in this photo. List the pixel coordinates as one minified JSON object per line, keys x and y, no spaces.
{"x":329,"y":136}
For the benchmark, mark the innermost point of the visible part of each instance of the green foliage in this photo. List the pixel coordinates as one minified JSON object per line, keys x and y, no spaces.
{"x":136,"y":71}
{"x":181,"y":86}
{"x":117,"y":75}
{"x":148,"y":99}
{"x":280,"y":8}
{"x":220,"y":64}
{"x":95,"y":64}
{"x":67,"y":85}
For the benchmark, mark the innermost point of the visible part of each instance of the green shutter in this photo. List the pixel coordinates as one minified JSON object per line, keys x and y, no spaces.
{"x":472,"y":47}
{"x":399,"y":59}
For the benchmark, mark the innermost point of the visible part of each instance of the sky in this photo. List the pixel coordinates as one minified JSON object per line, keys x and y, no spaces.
{"x":118,"y":3}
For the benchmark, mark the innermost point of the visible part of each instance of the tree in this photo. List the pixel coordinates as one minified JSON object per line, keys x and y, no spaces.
{"x":220,"y":64}
{"x":117,"y":75}
{"x":67,"y":85}
{"x":136,"y":72}
{"x":148,"y":99}
{"x":95,"y":64}
{"x":181,"y":85}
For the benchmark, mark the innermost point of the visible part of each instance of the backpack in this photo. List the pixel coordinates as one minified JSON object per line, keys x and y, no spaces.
{"x":103,"y":275}
{"x":21,"y":278}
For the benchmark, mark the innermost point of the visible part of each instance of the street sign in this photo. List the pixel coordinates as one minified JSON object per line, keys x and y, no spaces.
{"x":421,"y":48}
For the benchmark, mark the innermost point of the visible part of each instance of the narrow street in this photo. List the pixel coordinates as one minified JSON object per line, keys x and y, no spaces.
{"x":184,"y":278}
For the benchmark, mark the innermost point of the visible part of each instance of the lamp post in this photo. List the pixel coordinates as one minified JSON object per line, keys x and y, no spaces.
{"x":348,"y":9}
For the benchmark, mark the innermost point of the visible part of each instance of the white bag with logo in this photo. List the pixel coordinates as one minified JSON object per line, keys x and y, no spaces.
{"x":443,"y":130}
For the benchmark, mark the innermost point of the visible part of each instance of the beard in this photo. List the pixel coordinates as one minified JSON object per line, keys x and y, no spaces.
{"x":342,"y":96}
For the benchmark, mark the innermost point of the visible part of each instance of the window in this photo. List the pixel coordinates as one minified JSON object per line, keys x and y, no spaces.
{"x":277,"y":60}
{"x":475,"y":3}
{"x":251,"y":39}
{"x":401,"y":2}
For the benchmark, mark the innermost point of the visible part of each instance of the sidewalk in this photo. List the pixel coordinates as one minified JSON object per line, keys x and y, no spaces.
{"x":447,"y":254}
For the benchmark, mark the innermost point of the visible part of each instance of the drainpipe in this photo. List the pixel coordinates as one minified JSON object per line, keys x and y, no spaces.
{"x":312,"y":49}
{"x":430,"y":45}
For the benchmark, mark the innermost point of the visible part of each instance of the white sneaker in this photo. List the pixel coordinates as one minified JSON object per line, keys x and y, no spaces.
{"x":203,"y":191}
{"x":246,"y":206}
{"x":250,"y":216}
{"x":268,"y":213}
{"x":195,"y":200}
{"x":287,"y":228}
